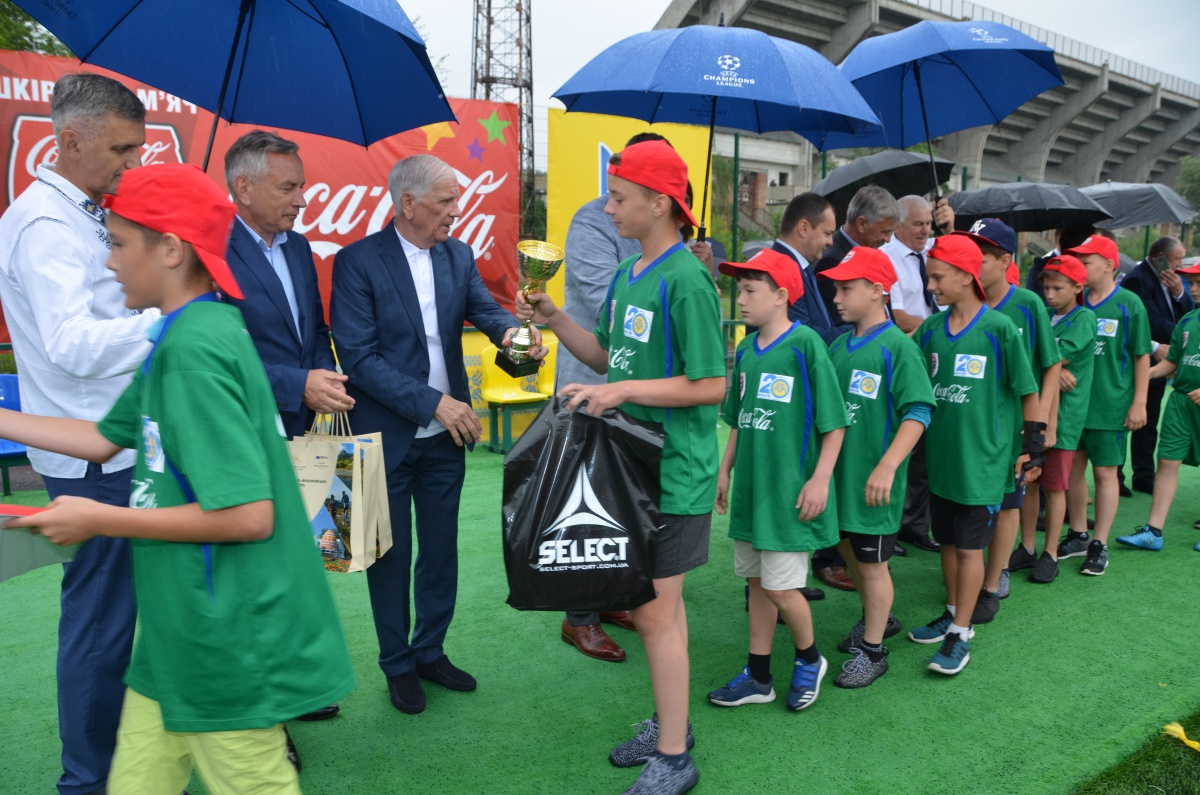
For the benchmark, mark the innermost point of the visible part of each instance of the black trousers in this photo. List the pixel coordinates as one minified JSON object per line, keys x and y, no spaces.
{"x":1142,"y":443}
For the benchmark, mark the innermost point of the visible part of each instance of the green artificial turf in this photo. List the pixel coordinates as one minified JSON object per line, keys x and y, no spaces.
{"x":1071,"y":679}
{"x":1163,"y":765}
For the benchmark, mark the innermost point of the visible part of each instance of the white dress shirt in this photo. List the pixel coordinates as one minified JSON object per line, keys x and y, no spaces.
{"x":75,"y":342}
{"x":799,"y":257}
{"x":278,"y":262}
{"x":908,"y":293}
{"x":421,"y":265}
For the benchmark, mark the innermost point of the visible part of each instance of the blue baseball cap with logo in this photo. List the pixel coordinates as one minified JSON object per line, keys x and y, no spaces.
{"x":994,"y":232}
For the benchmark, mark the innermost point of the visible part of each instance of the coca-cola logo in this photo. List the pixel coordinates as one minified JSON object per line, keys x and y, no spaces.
{"x":33,"y":145}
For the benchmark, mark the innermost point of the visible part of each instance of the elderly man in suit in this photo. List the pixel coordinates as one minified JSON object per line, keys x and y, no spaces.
{"x":282,"y":306}
{"x":1167,"y":299}
{"x":400,"y":297}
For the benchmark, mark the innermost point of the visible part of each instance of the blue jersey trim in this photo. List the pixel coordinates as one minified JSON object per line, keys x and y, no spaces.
{"x":634,"y":279}
{"x":854,"y":343}
{"x":665,"y":308}
{"x":776,"y":341}
{"x":887,"y":426}
{"x":955,"y":337}
{"x":1088,"y":303}
{"x":808,"y":406}
{"x":996,"y":352}
{"x":1125,"y":335}
{"x":1007,"y":295}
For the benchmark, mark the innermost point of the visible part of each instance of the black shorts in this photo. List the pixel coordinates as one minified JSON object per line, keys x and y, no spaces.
{"x":1015,"y":498}
{"x":681,"y":545}
{"x":870,"y":548}
{"x":962,"y":526}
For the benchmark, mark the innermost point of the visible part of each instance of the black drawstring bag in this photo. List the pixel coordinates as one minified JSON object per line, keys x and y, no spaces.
{"x":580,"y":513}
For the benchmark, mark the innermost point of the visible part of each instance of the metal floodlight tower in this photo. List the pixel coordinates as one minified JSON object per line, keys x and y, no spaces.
{"x":502,"y":71}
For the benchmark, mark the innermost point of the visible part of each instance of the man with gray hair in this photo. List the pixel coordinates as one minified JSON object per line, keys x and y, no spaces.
{"x":400,"y":297}
{"x":869,"y":222}
{"x":76,"y":346}
{"x":910,"y":297}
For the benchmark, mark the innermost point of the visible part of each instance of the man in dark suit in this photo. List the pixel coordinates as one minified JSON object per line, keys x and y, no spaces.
{"x":283,"y":309}
{"x":400,"y":297}
{"x":1166,"y":298}
{"x":805,"y":232}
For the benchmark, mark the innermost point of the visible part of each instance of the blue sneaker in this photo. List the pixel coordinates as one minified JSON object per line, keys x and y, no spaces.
{"x":806,"y":683}
{"x":1142,"y":539}
{"x":952,"y":657}
{"x":743,"y":689}
{"x":1197,"y":547}
{"x":934,"y":631}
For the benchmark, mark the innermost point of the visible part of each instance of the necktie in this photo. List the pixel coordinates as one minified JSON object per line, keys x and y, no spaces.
{"x":929,"y":300}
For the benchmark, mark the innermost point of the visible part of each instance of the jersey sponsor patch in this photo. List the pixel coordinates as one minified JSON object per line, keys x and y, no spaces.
{"x":741,"y":386}
{"x":865,"y":384}
{"x":638,"y":323}
{"x":968,"y":366}
{"x":1107,"y":327}
{"x":775,"y":387}
{"x":152,"y":449}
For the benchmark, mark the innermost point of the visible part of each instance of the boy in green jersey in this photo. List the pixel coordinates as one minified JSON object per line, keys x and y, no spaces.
{"x":659,"y":340}
{"x":1075,"y":331}
{"x":998,"y":242}
{"x":238,"y":631}
{"x":977,"y":362}
{"x":1179,"y":439}
{"x":881,"y":374}
{"x":787,"y":422}
{"x":1119,"y":384}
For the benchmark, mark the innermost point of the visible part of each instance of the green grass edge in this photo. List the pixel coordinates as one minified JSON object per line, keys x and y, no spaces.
{"x":1164,"y":764}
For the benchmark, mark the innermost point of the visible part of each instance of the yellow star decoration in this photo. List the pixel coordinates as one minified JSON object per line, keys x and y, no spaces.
{"x":435,"y":133}
{"x":495,"y":127}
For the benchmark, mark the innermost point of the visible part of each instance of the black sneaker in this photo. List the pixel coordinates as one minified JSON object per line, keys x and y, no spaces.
{"x":1075,"y":545}
{"x":860,"y":670}
{"x":644,"y":745}
{"x":1045,"y":570}
{"x":893,"y":627}
{"x":1096,"y":561}
{"x":659,"y":778}
{"x":986,"y":608}
{"x":1021,"y":558}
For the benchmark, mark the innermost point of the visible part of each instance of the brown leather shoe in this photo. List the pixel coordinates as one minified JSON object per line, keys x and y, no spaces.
{"x":593,"y":641}
{"x":622,"y":618}
{"x":836,"y":577}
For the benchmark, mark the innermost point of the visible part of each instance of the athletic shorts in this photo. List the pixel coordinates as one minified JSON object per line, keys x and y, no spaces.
{"x":870,"y":548}
{"x":1016,"y":497}
{"x":1179,"y":435}
{"x":779,"y":571}
{"x":1056,"y":470}
{"x":682,"y":544}
{"x":151,"y":760}
{"x":1104,"y":448}
{"x":962,"y":526}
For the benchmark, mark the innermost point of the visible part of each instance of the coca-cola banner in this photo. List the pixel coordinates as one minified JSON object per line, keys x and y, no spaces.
{"x":346,"y":184}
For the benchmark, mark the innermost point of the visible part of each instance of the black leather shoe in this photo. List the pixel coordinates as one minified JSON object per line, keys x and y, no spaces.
{"x":1145,"y":487}
{"x":920,"y":542}
{"x":899,"y":551}
{"x":812,"y":594}
{"x":407,"y":695}
{"x":446,"y":674}
{"x":324,"y":713}
{"x":1123,"y":490}
{"x":293,"y":754}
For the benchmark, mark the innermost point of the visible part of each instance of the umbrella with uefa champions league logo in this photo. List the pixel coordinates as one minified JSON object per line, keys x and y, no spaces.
{"x":713,"y":75}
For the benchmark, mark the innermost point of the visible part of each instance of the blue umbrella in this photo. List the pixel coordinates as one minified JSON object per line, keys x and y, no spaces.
{"x":710,"y":75}
{"x":356,"y":70}
{"x":935,"y":78}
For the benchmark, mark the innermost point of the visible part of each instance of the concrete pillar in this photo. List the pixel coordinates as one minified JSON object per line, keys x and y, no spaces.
{"x":1084,"y":165}
{"x":862,"y":21}
{"x":966,"y":149}
{"x":1028,"y":156}
{"x":710,"y":12}
{"x":1137,"y":167}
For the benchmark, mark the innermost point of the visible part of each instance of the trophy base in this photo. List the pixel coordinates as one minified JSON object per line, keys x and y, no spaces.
{"x":516,"y":369}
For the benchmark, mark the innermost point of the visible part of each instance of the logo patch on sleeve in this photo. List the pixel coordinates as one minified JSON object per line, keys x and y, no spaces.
{"x":638,"y":323}
{"x":775,"y":387}
{"x":741,"y":386}
{"x":1107,"y":327}
{"x":864,"y":384}
{"x":968,"y":366}
{"x":152,"y":449}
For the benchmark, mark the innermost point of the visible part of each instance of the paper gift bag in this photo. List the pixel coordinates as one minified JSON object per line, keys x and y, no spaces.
{"x":344,"y":485}
{"x":22,"y":551}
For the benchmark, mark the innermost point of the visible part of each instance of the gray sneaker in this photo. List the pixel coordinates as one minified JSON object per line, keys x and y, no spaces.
{"x":1075,"y":545}
{"x":659,"y":778}
{"x":859,"y":671}
{"x":1021,"y":558}
{"x":986,"y":608}
{"x":1096,"y":561}
{"x":893,"y":627}
{"x":1003,"y":588}
{"x":644,"y":745}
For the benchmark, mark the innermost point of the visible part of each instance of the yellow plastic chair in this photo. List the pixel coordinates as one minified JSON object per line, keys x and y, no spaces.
{"x":501,"y":391}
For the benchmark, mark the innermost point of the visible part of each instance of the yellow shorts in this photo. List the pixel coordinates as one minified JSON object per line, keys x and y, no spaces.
{"x":150,"y":760}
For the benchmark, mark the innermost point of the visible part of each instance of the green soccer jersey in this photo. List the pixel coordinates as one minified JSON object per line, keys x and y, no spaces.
{"x":1185,"y":352}
{"x":1076,"y":336}
{"x":1028,"y":314}
{"x":660,"y":323}
{"x":235,"y":635}
{"x":881,"y":376}
{"x":783,"y":398}
{"x":1122,"y":335}
{"x":974,"y":373}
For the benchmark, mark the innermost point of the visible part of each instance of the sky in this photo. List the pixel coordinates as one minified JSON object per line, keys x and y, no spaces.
{"x":1162,"y":34}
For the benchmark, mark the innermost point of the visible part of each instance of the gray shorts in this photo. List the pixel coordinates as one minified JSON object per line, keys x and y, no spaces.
{"x":682,"y":544}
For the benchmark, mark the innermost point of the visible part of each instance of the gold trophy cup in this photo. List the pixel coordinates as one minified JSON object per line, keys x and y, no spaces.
{"x":537,"y":262}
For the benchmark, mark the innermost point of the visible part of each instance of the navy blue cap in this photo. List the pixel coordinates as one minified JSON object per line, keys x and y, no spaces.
{"x":994,"y":232}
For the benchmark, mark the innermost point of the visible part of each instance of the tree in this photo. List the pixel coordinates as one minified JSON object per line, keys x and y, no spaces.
{"x":1188,"y":184}
{"x":19,"y":31}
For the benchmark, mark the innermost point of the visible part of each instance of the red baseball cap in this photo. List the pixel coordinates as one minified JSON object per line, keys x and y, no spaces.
{"x":1013,"y":274}
{"x":861,"y":262}
{"x":180,"y":198}
{"x":780,"y":267}
{"x":1098,"y":244}
{"x":1071,"y":268}
{"x":655,"y":165}
{"x":958,"y":250}
{"x":1191,"y":269}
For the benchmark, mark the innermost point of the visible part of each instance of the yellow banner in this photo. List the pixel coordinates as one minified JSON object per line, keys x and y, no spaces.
{"x":577,"y":165}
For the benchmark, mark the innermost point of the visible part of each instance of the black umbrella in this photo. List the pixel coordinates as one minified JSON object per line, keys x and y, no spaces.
{"x":899,"y":173}
{"x":1140,"y":204}
{"x":1026,"y":206}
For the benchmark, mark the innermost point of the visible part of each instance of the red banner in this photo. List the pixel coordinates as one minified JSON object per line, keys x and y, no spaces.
{"x":346,"y":184}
